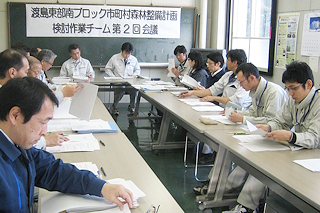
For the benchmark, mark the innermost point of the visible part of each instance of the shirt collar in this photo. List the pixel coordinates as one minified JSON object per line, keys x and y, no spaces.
{"x":260,"y":88}
{"x":8,"y":147}
{"x":75,"y":61}
{"x":306,"y":101}
{"x":215,"y":73}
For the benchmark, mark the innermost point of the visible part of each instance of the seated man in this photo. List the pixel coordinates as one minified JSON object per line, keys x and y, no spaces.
{"x":267,"y":99}
{"x":228,"y":84}
{"x":184,"y":67}
{"x":55,"y":138}
{"x":297,"y":121}
{"x":216,"y":69}
{"x":12,"y":65}
{"x":123,"y":64}
{"x":76,"y":65}
{"x":26,"y":107}
{"x":46,"y":58}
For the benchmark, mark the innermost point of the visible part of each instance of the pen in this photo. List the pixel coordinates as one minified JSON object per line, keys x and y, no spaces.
{"x":104,"y":173}
{"x":102,"y":143}
{"x":238,"y":133}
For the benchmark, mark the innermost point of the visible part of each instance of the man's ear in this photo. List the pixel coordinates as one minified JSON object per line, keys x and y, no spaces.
{"x":11,"y":72}
{"x":15,"y":115}
{"x":309,"y":84}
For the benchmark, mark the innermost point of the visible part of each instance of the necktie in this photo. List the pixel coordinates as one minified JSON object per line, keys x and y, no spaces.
{"x":125,"y":61}
{"x":232,"y":78}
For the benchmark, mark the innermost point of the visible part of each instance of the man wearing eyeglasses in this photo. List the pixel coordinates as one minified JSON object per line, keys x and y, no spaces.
{"x":298,"y":121}
{"x":267,"y":99}
{"x":184,"y":67}
{"x":46,"y":58}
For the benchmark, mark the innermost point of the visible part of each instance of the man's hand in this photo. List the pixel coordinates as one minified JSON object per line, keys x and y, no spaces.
{"x":70,"y":90}
{"x":185,"y":94}
{"x":111,"y":192}
{"x":264,"y":127}
{"x":175,"y":72}
{"x":280,"y":135}
{"x":55,"y":139}
{"x":235,"y":117}
{"x":208,"y":98}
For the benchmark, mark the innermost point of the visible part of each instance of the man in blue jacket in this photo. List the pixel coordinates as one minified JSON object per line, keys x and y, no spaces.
{"x":26,"y":106}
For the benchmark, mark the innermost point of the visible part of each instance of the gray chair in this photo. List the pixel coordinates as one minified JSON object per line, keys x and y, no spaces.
{"x":195,"y":140}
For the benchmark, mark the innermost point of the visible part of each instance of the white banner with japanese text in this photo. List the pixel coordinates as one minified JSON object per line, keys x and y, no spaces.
{"x":60,"y":20}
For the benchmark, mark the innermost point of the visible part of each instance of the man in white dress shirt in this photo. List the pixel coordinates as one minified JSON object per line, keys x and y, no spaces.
{"x":123,"y":64}
{"x":76,"y":65}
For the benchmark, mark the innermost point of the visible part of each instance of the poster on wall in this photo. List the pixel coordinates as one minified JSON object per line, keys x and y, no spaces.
{"x":62,"y":20}
{"x":286,"y":42}
{"x":311,"y":35}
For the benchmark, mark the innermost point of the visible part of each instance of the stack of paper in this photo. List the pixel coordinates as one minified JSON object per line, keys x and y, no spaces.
{"x":258,"y":143}
{"x":214,"y":108}
{"x":61,"y":80}
{"x":220,"y":118}
{"x":62,"y":112}
{"x":189,"y":81}
{"x":94,"y":126}
{"x":58,"y":202}
{"x":92,"y":167}
{"x":77,"y":143}
{"x":311,"y":164}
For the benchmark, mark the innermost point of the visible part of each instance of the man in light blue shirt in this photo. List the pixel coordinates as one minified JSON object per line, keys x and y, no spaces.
{"x":76,"y":65}
{"x":123,"y":65}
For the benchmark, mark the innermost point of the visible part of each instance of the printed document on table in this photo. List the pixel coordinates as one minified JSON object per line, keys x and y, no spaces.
{"x":200,"y":103}
{"x":208,"y":108}
{"x":58,"y":202}
{"x":258,"y":143}
{"x":83,"y":101}
{"x":220,"y":118}
{"x":311,"y":164}
{"x":77,"y":143}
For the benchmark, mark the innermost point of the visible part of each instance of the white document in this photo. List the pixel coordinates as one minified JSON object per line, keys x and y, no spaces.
{"x":112,"y":78}
{"x":175,"y":88}
{"x":171,"y":65}
{"x":62,"y":112}
{"x":58,"y":202}
{"x":83,"y":101}
{"x":92,"y":167}
{"x":95,"y":125}
{"x":189,"y":81}
{"x":61,"y":80}
{"x":220,"y":118}
{"x":228,"y":110}
{"x":190,"y":99}
{"x":55,"y":125}
{"x":311,"y":164}
{"x":200,"y":103}
{"x":254,"y":130}
{"x":72,"y":147}
{"x":208,"y":108}
{"x":258,"y":143}
{"x":77,"y":143}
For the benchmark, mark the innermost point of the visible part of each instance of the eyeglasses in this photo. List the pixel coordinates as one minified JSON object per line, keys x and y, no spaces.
{"x":49,"y":63}
{"x":292,"y":89}
{"x":242,"y":81}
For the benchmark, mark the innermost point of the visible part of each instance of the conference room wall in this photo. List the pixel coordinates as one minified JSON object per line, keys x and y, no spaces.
{"x":3,"y":9}
{"x":301,"y":7}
